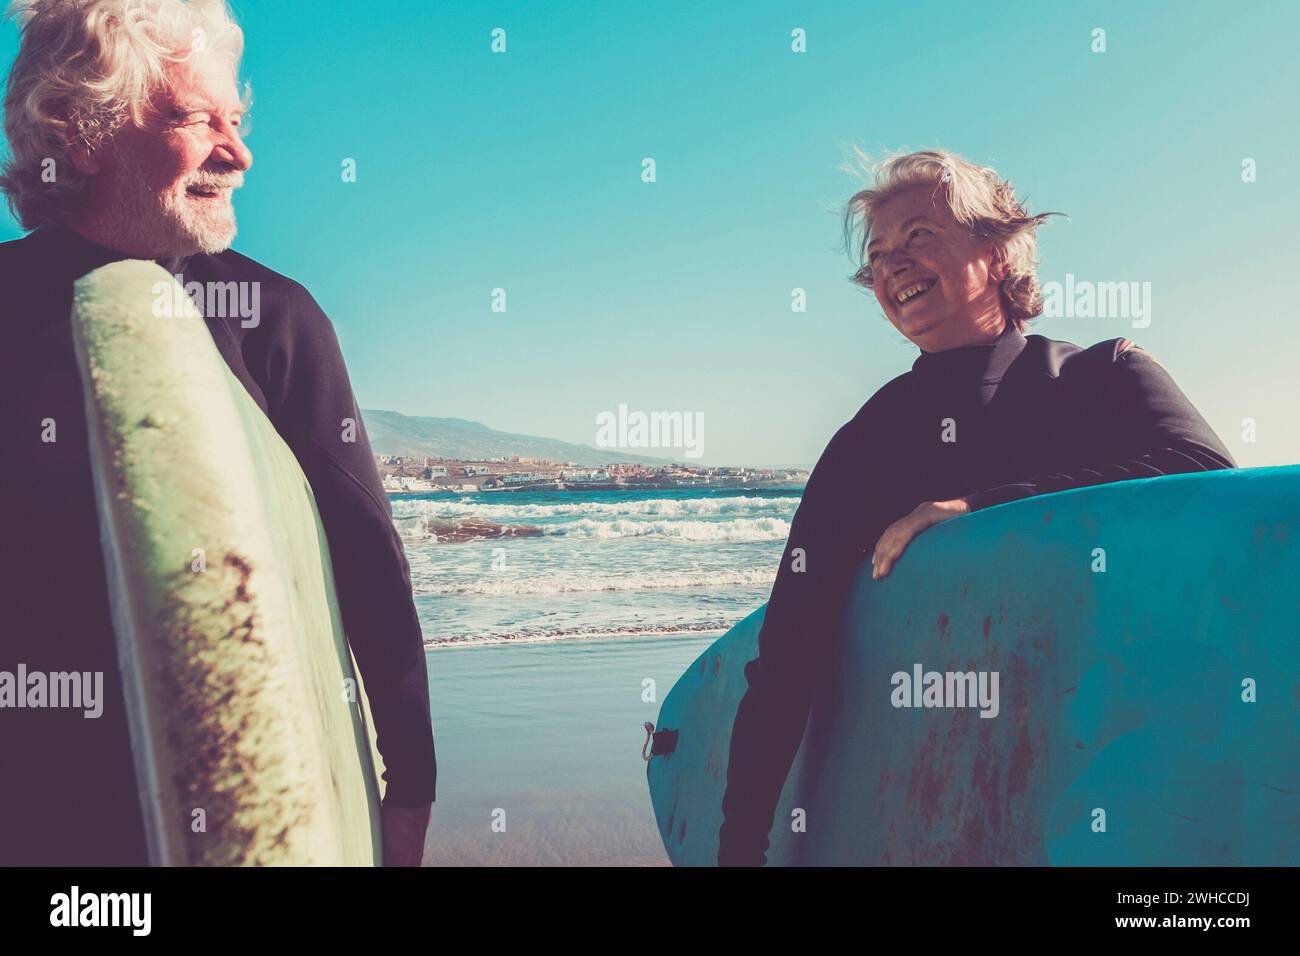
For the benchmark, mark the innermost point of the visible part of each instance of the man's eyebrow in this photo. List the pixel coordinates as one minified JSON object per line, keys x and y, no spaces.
{"x":202,"y":106}
{"x":903,"y":227}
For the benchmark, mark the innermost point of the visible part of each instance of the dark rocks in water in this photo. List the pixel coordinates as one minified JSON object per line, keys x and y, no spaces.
{"x":475,"y":529}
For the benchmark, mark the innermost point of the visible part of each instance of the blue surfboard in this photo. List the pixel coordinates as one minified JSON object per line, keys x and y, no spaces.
{"x":1146,"y":641}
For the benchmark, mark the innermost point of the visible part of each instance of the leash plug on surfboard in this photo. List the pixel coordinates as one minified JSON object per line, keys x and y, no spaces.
{"x":657,"y":743}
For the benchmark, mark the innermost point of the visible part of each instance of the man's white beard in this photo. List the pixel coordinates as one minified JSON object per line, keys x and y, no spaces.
{"x":148,"y":219}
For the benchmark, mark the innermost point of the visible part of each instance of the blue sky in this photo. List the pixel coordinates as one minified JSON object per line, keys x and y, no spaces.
{"x":522,"y":171}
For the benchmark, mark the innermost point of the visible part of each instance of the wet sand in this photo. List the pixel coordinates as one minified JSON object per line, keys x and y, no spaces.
{"x":545,"y":741}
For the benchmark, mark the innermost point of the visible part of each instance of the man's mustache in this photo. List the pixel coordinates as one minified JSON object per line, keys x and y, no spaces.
{"x":234,"y":181}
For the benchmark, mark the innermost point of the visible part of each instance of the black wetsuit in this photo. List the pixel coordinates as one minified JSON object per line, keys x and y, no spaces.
{"x":1030,"y":416}
{"x":67,"y":783}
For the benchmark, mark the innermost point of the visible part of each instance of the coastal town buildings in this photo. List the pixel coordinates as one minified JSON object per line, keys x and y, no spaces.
{"x":423,"y":474}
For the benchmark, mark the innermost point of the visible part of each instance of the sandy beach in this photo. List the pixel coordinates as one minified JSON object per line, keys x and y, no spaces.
{"x":545,"y":739}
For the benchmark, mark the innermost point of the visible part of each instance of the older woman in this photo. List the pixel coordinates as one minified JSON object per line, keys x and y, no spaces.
{"x":986,"y":415}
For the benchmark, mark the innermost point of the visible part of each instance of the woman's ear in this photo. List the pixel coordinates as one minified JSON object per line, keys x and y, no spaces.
{"x":998,"y":266}
{"x":83,"y":159}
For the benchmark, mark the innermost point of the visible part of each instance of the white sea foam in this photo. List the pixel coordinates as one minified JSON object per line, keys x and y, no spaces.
{"x":663,"y":507}
{"x":542,"y":636}
{"x":574,"y":581}
{"x":651,"y":566}
{"x":718,"y":532}
{"x":737,"y":530}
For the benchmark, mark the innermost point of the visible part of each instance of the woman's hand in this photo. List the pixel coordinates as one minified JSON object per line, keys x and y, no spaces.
{"x":899,"y":534}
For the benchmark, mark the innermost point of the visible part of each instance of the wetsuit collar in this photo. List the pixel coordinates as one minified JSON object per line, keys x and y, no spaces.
{"x":986,"y":362}
{"x":84,"y":256}
{"x":971,"y":366}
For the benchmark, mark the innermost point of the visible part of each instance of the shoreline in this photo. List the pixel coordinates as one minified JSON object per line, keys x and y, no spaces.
{"x":610,"y":636}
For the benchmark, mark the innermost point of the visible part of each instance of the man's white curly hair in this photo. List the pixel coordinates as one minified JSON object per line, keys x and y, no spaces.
{"x":84,"y":68}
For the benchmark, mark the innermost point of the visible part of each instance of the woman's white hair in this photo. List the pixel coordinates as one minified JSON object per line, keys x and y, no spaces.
{"x":84,"y":68}
{"x":977,"y":196}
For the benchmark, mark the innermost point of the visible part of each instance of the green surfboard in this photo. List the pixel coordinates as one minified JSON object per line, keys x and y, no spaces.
{"x":250,"y":732}
{"x":1145,"y":638}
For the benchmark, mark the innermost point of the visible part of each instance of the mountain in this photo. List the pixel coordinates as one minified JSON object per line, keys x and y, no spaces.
{"x":392,"y":433}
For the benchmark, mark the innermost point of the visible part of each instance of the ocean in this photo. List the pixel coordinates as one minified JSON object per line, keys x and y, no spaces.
{"x":583,"y":564}
{"x":550,"y":646}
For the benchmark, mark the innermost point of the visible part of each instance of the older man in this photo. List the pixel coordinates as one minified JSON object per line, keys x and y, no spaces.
{"x":124,"y":121}
{"x":986,"y":415}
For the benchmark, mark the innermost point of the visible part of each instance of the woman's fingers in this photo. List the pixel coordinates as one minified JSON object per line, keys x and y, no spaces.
{"x":893,"y":543}
{"x":888,"y":549}
{"x":899,"y":535}
{"x":887,"y":565}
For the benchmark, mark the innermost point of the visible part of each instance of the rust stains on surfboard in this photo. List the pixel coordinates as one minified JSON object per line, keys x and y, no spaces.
{"x":240,"y":564}
{"x":970,"y":790}
{"x":220,"y":689}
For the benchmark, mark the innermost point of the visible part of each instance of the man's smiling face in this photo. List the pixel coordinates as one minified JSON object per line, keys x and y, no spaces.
{"x":937,"y":283}
{"x":164,"y":188}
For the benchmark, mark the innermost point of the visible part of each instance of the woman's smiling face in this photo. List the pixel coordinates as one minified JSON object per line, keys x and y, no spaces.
{"x":937,"y":283}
